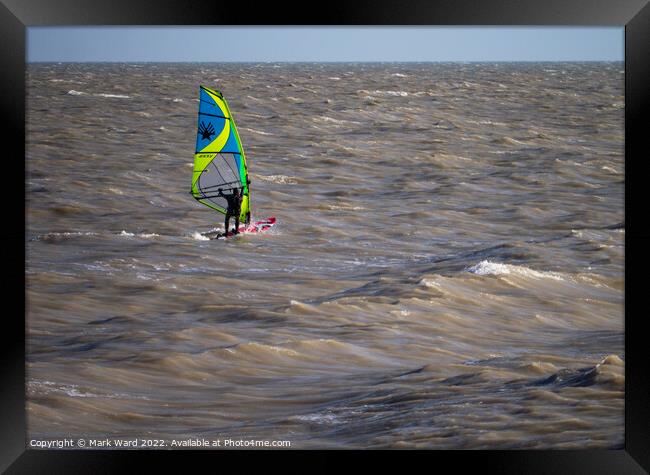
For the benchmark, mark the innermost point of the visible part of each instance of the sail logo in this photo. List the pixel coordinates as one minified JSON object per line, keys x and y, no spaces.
{"x":206,"y":131}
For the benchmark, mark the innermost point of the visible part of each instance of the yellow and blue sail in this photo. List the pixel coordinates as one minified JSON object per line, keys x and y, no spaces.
{"x":219,"y":159}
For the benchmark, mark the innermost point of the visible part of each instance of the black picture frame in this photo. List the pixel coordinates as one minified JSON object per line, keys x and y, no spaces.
{"x":16,"y":15}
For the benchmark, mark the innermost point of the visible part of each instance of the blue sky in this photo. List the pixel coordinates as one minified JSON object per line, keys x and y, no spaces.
{"x":224,"y":44}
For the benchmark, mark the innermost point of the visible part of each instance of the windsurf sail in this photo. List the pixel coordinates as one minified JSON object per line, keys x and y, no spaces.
{"x":219,"y":159}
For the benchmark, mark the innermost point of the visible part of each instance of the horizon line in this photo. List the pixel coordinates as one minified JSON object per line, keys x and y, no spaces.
{"x":336,"y":62}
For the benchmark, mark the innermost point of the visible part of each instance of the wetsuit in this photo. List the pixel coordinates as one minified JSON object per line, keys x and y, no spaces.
{"x":234,"y":210}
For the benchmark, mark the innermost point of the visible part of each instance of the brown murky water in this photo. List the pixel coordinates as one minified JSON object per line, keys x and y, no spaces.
{"x":446,"y":271}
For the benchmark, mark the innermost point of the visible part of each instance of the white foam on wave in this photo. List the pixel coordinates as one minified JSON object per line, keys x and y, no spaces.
{"x":510,"y":141}
{"x":140,"y":235}
{"x":399,"y":75}
{"x":73,"y":390}
{"x":76,"y":233}
{"x":254,"y":131}
{"x":199,"y":237}
{"x":98,"y":266}
{"x":63,"y":235}
{"x":497,"y":268}
{"x":281,"y":179}
{"x":318,"y":418}
{"x":366,"y":93}
{"x":390,"y":93}
{"x":72,"y":92}
{"x":335,"y":121}
{"x":430,"y":283}
{"x":485,"y":122}
{"x":610,"y":169}
{"x":117,"y":96}
{"x":345,"y":207}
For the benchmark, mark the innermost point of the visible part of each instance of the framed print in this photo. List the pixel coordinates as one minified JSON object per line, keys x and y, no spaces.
{"x":410,"y":230}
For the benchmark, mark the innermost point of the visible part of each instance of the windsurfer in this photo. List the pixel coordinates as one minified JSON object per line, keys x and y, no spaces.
{"x":234,"y":208}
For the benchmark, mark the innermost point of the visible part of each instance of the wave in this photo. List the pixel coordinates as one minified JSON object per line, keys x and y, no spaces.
{"x":364,"y":92}
{"x":317,"y":418}
{"x":610,"y":169}
{"x":140,"y":235}
{"x":336,"y":121}
{"x":72,"y":390}
{"x":485,"y":122}
{"x":199,"y":237}
{"x":496,"y":268}
{"x":391,"y":93}
{"x":280,"y":179}
{"x":343,"y":207}
{"x":610,"y":371}
{"x":508,"y":141}
{"x":118,"y":96}
{"x":254,"y":131}
{"x":72,"y":92}
{"x":53,"y":237}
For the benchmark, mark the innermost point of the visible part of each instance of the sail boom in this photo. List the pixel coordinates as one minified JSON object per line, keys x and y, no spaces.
{"x":214,"y":115}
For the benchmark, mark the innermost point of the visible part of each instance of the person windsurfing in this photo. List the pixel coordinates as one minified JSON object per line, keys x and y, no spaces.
{"x":234,"y":208}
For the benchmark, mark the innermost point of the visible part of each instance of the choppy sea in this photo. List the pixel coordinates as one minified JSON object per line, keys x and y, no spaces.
{"x":446,"y":271}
